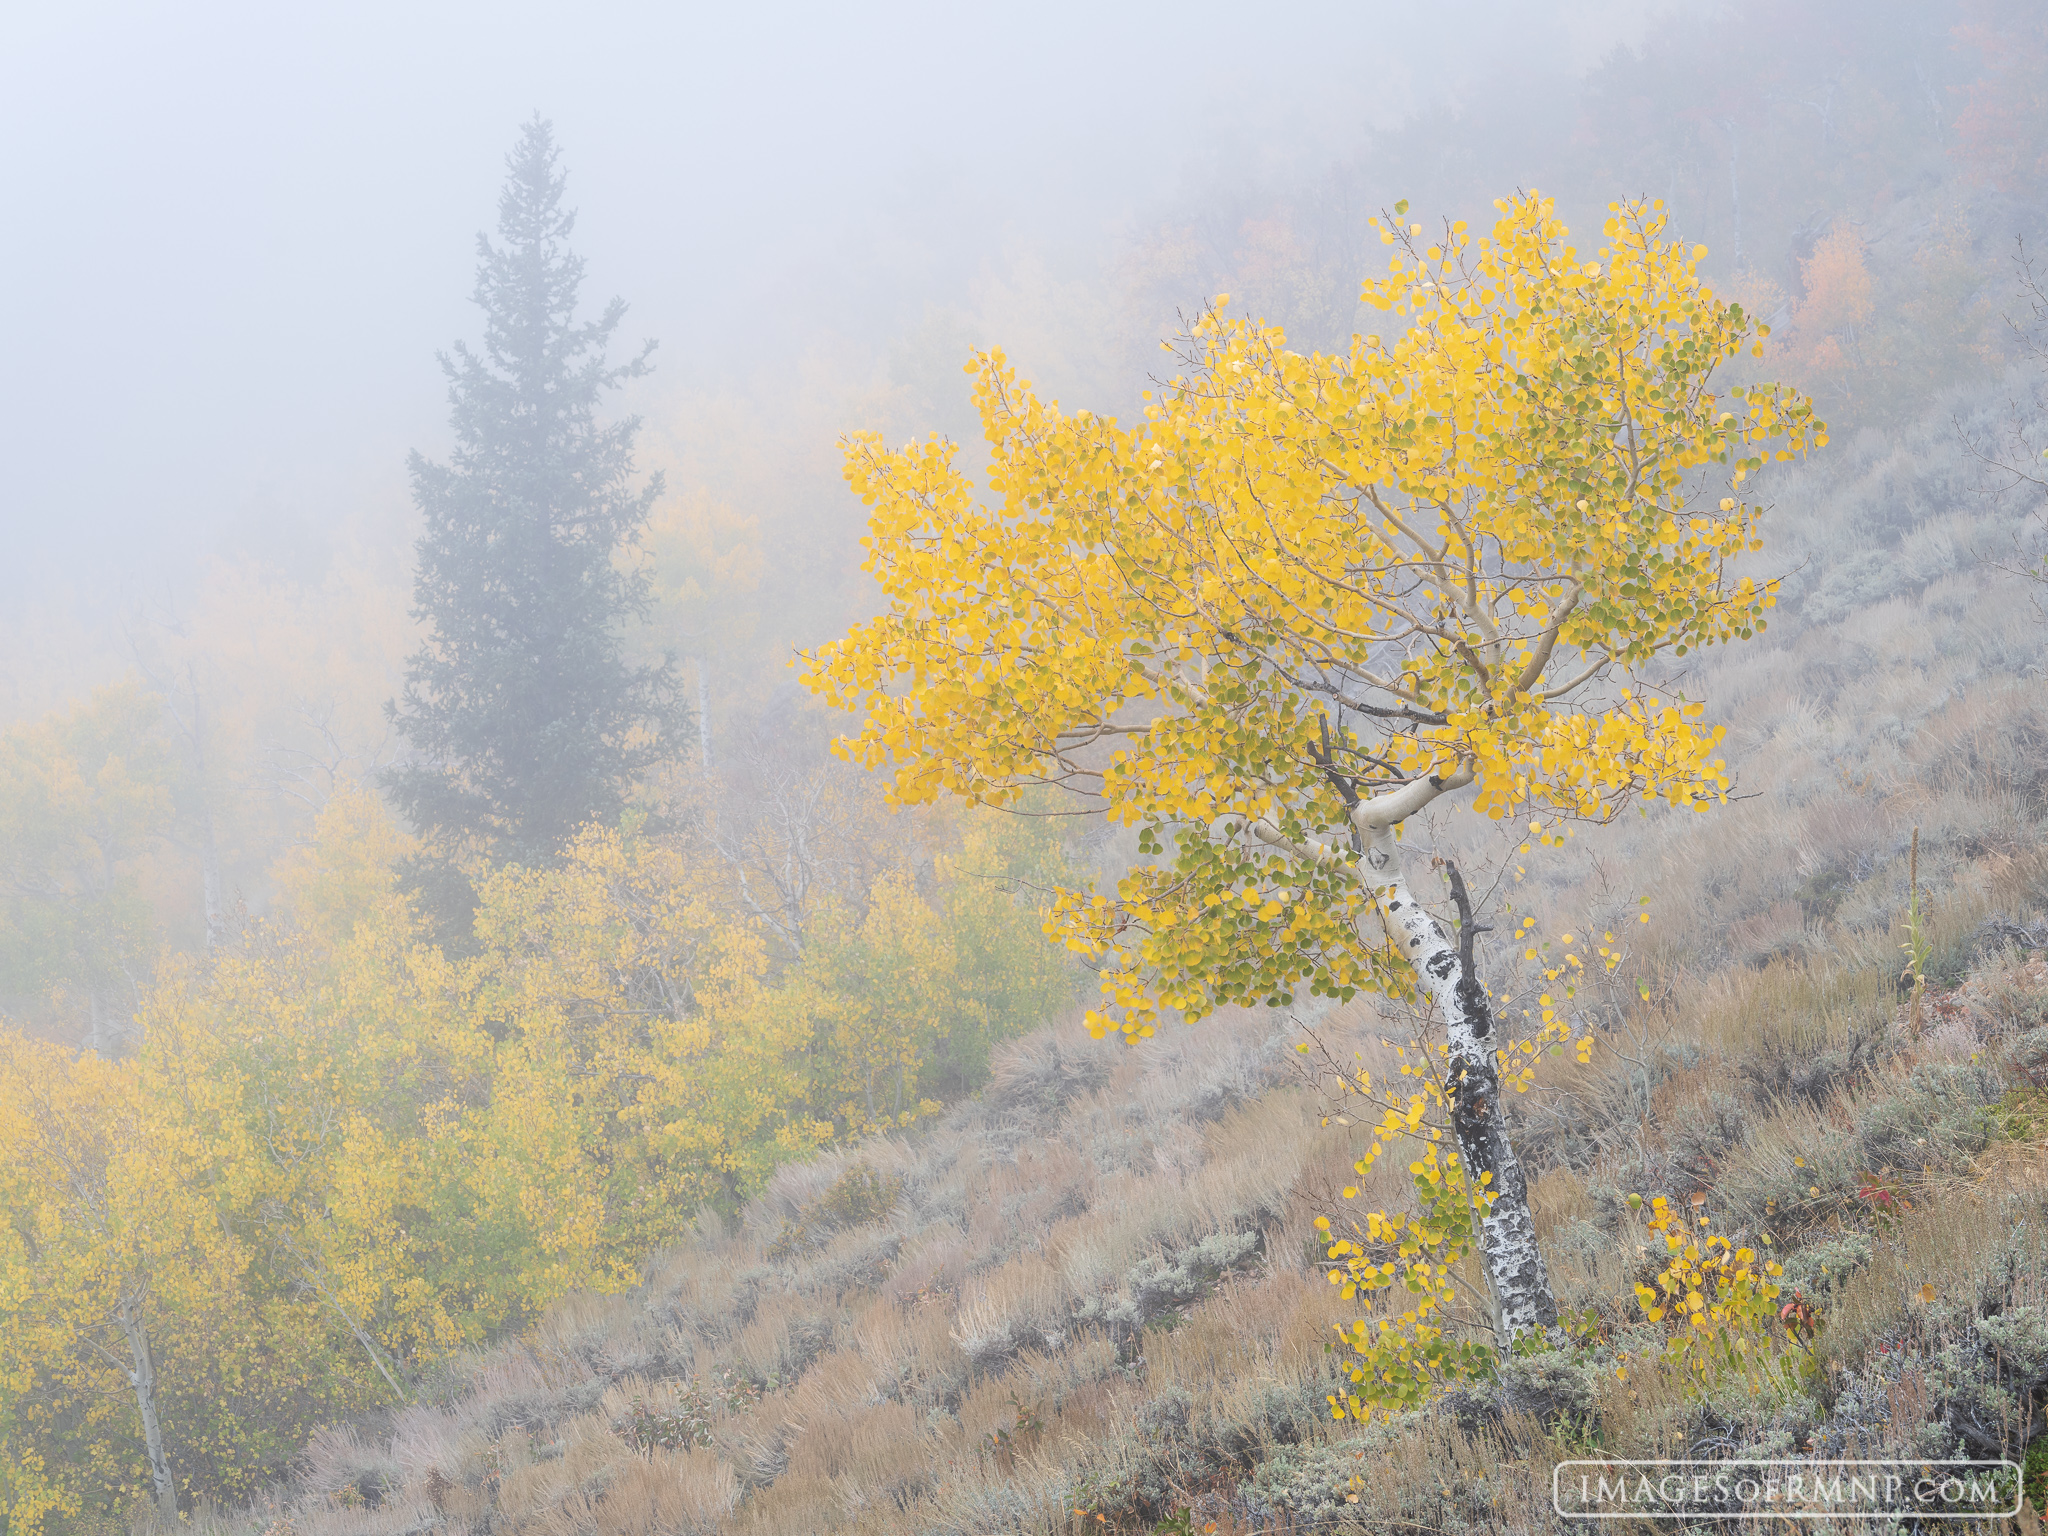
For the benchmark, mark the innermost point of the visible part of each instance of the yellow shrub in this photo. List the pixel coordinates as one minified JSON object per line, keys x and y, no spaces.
{"x":1722,"y":1303}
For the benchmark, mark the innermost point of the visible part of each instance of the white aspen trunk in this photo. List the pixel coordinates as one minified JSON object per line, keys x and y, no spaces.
{"x":1515,"y":1271}
{"x":377,"y":1359}
{"x":361,"y":1335}
{"x":143,"y":1377}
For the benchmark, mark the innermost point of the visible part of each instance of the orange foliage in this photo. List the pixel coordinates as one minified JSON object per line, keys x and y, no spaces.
{"x":2002,"y":131}
{"x":1838,"y":288}
{"x":1825,"y":338}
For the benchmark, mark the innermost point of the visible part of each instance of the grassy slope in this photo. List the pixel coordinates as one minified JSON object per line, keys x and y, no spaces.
{"x":1096,"y":1285}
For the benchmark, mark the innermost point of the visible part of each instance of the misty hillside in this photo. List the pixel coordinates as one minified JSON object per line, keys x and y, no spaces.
{"x":487,"y":1046}
{"x":1097,"y":1289}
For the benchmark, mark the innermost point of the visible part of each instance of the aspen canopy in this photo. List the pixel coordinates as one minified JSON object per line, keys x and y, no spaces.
{"x":1304,"y":588}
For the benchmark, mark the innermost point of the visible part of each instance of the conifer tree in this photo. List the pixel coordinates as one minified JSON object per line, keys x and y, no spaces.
{"x":525,"y":717}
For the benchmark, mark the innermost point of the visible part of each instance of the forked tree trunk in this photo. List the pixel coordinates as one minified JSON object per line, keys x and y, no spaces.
{"x":142,"y":1374}
{"x":1515,"y":1273}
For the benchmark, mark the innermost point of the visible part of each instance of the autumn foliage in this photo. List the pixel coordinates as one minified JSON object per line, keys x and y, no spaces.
{"x":2002,"y":131}
{"x":339,"y":1156}
{"x":1171,"y":617}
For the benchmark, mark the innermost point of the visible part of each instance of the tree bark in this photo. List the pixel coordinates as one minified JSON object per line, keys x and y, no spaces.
{"x":209,"y":881}
{"x":1515,"y":1272}
{"x":314,"y":1278}
{"x":142,"y":1374}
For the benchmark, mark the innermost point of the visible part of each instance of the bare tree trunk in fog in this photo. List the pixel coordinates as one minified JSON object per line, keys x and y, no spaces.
{"x":1516,"y":1277}
{"x":142,"y":1376}
{"x":704,"y":712}
{"x":105,"y":1033}
{"x":192,"y":726}
{"x":209,"y":848}
{"x":1933,"y":98}
{"x":209,"y":880}
{"x":1735,"y":184}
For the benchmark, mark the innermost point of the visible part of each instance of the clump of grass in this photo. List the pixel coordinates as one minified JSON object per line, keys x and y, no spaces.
{"x":859,"y":1196}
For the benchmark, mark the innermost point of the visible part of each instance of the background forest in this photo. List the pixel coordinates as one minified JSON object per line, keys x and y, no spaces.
{"x":694,"y":1142}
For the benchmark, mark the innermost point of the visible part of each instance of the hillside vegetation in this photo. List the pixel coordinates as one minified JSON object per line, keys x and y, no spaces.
{"x":1095,"y":1294}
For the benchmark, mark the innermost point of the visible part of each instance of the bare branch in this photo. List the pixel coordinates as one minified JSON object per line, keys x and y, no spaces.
{"x":1540,"y":657}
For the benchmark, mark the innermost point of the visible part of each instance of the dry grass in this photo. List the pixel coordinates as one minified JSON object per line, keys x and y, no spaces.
{"x":1954,"y":1246}
{"x":963,"y":1390}
{"x":1251,"y":1335}
{"x":787,"y":1333}
{"x":1021,"y":1303}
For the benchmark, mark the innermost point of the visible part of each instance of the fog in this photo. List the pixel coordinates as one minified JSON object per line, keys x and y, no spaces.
{"x":239,"y":234}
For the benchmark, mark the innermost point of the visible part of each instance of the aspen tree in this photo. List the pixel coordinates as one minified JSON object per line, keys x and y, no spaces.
{"x":1304,"y":598}
{"x":87,"y":799}
{"x":105,"y":1241}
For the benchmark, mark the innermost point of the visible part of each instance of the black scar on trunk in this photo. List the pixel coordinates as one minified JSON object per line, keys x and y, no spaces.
{"x":1471,"y":996}
{"x":1482,"y":1136}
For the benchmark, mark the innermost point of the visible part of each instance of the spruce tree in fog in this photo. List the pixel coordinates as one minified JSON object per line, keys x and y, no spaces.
{"x":525,"y":718}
